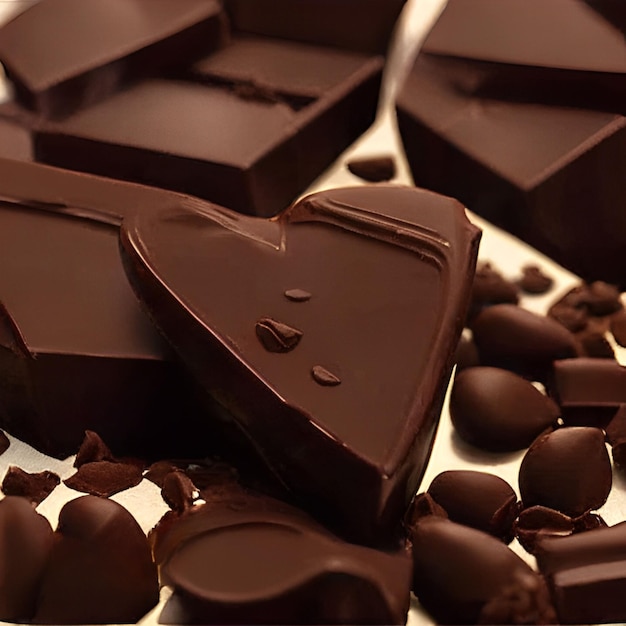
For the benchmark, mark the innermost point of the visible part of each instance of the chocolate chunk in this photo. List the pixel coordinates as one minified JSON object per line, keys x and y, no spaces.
{"x":92,"y":449}
{"x":618,"y":327}
{"x":178,"y":491}
{"x":588,"y":390}
{"x":93,"y":360}
{"x":534,"y":280}
{"x":297,"y":295}
{"x":100,"y":569}
{"x":251,"y":155}
{"x":26,"y":539}
{"x":373,"y":169}
{"x":536,"y":522}
{"x":498,"y":411}
{"x":4,"y":442}
{"x":104,"y":478}
{"x":603,"y":298}
{"x":466,"y":354}
{"x":35,"y":487}
{"x":64,"y":55}
{"x":513,"y":338}
{"x":528,"y":167}
{"x":568,"y":470}
{"x":490,"y":287}
{"x":277,"y":336}
{"x":477,"y":499}
{"x":587,"y":575}
{"x":572,"y":317}
{"x":384,"y":404}
{"x":324,"y":377}
{"x":464,"y":576}
{"x":243,"y":558}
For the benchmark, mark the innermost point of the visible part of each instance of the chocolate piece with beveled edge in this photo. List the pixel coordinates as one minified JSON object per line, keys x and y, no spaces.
{"x":64,"y":54}
{"x":391,"y":342}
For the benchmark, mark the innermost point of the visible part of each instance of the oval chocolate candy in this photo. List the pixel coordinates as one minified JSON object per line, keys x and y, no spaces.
{"x":498,"y":411}
{"x":568,"y":470}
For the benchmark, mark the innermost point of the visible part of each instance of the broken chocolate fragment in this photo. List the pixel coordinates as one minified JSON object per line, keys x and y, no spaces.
{"x":464,"y":576}
{"x":477,"y":499}
{"x":536,"y":522}
{"x":587,"y":575}
{"x":35,"y":487}
{"x":100,"y":569}
{"x":178,"y":491}
{"x":92,"y":449}
{"x":277,"y":336}
{"x":513,"y":338}
{"x":568,"y":470}
{"x":374,"y":169}
{"x":104,"y":478}
{"x":324,"y":377}
{"x":534,"y":280}
{"x":243,"y":558}
{"x":375,"y":428}
{"x":26,"y":540}
{"x":497,"y":410}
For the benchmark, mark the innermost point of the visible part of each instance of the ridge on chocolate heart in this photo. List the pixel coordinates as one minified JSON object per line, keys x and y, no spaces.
{"x":388,"y":270}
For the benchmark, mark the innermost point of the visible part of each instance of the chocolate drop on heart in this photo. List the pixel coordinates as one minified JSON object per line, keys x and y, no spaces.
{"x":277,"y":336}
{"x":373,"y":169}
{"x":497,"y":410}
{"x":297,"y":295}
{"x":100,"y":569}
{"x":568,"y":470}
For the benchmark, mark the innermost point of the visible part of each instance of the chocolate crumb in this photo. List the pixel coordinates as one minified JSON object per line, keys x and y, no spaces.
{"x":4,"y":442}
{"x":374,"y":169}
{"x":322,"y":376}
{"x":104,"y":478}
{"x":297,"y":295}
{"x":534,"y":280}
{"x":277,"y":336}
{"x":35,"y":487}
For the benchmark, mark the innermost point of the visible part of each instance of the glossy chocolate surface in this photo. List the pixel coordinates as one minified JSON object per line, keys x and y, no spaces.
{"x":361,"y":25}
{"x":532,"y":168}
{"x":391,"y":343}
{"x":242,"y":558}
{"x":576,"y":56}
{"x":64,"y":54}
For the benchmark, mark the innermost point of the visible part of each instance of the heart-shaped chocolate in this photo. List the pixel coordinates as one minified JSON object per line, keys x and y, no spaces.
{"x":339,"y":392}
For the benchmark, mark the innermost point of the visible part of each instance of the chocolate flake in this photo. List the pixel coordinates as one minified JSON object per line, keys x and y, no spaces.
{"x":35,"y":487}
{"x":297,"y":295}
{"x":322,"y":376}
{"x":277,"y":336}
{"x":104,"y":478}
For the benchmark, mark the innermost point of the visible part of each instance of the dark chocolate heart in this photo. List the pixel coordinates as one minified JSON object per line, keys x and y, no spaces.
{"x":389,"y":272}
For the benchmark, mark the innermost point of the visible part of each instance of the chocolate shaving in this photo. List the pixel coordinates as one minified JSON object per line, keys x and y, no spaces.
{"x":297,"y":295}
{"x":104,"y":478}
{"x":35,"y":487}
{"x":277,"y":336}
{"x":322,"y":376}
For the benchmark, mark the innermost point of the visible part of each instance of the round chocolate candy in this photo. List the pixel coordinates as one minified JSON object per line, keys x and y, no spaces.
{"x":568,"y":470}
{"x":516,"y":339}
{"x":498,"y":411}
{"x":477,"y":499}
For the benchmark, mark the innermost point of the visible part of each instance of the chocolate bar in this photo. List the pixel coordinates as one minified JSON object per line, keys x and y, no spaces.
{"x":547,"y":172}
{"x":65,"y":54}
{"x":362,"y":393}
{"x":242,"y":558}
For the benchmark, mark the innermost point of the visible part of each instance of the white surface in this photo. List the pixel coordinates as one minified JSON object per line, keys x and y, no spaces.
{"x":506,"y":253}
